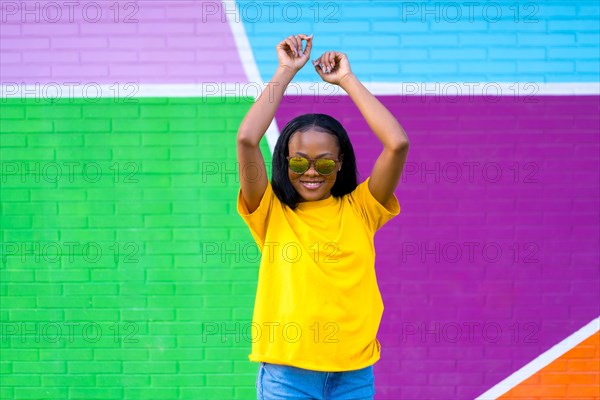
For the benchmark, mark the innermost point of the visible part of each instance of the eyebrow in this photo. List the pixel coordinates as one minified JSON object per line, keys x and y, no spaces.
{"x":304,"y":154}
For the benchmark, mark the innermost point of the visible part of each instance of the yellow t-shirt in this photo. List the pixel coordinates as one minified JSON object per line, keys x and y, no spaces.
{"x":317,"y":303}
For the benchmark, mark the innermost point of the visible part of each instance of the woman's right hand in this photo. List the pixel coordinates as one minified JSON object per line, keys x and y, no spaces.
{"x":290,"y":52}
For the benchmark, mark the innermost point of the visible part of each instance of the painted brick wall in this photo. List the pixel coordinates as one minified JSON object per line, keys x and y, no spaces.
{"x":120,"y":41}
{"x":163,"y":311}
{"x":575,"y":375}
{"x":116,"y":223}
{"x":408,"y":41}
{"x":493,"y":258}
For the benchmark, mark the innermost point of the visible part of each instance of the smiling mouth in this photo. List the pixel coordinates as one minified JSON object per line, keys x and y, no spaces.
{"x":311,"y":184}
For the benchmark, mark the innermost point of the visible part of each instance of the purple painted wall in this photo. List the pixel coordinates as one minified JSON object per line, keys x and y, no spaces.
{"x":117,"y":41}
{"x":494,"y":257}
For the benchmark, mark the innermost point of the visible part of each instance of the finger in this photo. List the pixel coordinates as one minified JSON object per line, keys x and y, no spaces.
{"x":319,"y":67}
{"x":281,"y":45}
{"x":319,"y":70}
{"x":317,"y":62}
{"x":327,"y":62}
{"x":321,"y":62}
{"x":292,"y":41}
{"x":298,"y":43}
{"x":341,"y":58}
{"x":331,"y":60}
{"x":337,"y":59}
{"x":322,"y":65}
{"x":292,"y":45}
{"x":302,"y":36}
{"x":308,"y":48}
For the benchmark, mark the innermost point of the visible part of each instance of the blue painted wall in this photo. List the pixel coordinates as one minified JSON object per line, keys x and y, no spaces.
{"x":388,"y":41}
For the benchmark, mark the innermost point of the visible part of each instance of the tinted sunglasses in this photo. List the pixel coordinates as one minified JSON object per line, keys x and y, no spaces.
{"x":299,"y":165}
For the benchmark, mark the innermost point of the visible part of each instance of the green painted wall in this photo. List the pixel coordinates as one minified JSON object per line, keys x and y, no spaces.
{"x":126,"y":272}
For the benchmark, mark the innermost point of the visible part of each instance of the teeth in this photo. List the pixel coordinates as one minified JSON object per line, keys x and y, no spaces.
{"x":312,"y":184}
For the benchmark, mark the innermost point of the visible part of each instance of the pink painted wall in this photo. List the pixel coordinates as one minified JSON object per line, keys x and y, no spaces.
{"x":117,"y":42}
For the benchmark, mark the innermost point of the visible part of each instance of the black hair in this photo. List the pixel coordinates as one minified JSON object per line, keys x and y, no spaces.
{"x":346,"y":179}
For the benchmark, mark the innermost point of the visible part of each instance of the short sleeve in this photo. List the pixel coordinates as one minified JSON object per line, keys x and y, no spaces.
{"x":257,"y":220}
{"x":372,"y":211}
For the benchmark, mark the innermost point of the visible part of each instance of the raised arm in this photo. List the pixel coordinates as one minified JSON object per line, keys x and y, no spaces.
{"x":253,"y":174}
{"x":334,"y":67}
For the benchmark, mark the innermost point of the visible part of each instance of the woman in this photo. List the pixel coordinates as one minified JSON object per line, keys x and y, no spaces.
{"x":318,"y":306}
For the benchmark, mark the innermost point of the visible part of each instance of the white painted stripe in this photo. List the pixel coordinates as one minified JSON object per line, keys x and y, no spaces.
{"x":451,"y":89}
{"x":241,"y":42}
{"x":248,"y":63}
{"x":253,"y":88}
{"x":542,"y":361}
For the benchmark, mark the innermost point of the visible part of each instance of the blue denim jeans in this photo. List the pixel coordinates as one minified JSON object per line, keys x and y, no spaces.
{"x":284,"y":382}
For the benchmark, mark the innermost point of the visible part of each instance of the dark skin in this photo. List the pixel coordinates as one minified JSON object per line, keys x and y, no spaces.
{"x":314,"y":144}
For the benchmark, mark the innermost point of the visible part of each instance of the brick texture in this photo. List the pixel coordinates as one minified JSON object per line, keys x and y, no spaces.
{"x":122,"y":274}
{"x":125,"y":272}
{"x":493,"y":258}
{"x":421,"y":41}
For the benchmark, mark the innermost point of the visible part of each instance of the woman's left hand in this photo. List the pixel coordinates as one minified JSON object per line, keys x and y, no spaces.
{"x":333,"y":67}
